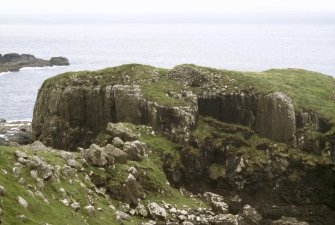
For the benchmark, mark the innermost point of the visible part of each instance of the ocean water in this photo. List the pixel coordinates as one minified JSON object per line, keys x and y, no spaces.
{"x":88,"y":46}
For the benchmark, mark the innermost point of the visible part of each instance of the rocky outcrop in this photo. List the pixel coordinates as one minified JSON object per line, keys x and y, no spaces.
{"x":271,"y":115}
{"x":14,"y":62}
{"x":72,"y":111}
{"x":72,"y":116}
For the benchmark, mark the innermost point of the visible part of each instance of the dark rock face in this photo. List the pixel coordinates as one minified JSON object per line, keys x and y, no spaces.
{"x":272,"y":115}
{"x":59,"y":61}
{"x":14,"y":62}
{"x":68,"y":117}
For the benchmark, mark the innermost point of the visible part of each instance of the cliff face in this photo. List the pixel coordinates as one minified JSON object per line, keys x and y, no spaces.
{"x":271,"y":116}
{"x":69,"y":117}
{"x":230,"y":135}
{"x":71,"y":114}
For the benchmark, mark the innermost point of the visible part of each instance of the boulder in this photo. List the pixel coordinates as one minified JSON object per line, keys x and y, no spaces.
{"x":2,"y":191}
{"x":118,"y":155}
{"x":216,"y":202}
{"x":121,"y":216}
{"x":90,"y":209}
{"x":131,"y":190}
{"x":23,"y":203}
{"x":135,"y":150}
{"x":97,"y":156}
{"x":156,"y":212}
{"x":117,"y":142}
{"x":121,"y":131}
{"x":250,"y":215}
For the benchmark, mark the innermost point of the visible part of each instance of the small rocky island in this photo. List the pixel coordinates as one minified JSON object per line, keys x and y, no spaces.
{"x":192,"y":145}
{"x":14,"y":62}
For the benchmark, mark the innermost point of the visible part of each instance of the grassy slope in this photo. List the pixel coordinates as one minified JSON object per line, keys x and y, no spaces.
{"x":38,"y":212}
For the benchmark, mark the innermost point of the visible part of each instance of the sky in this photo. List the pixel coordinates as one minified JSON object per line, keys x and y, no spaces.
{"x":164,"y":6}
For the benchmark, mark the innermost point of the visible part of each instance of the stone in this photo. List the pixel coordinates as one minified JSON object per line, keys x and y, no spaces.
{"x":2,"y":191}
{"x":121,"y":216}
{"x":89,"y":209}
{"x":20,"y":154}
{"x":225,"y":219}
{"x":117,"y":142}
{"x":38,"y":146}
{"x":121,"y":131}
{"x":23,"y":203}
{"x":95,"y":156}
{"x":217,"y":203}
{"x":116,"y":153}
{"x":156,"y":212}
{"x":135,"y":150}
{"x":22,"y":218}
{"x":75,"y":206}
{"x":73,"y":163}
{"x":142,"y":211}
{"x":250,"y":215}
{"x":67,"y":172}
{"x":288,"y":221}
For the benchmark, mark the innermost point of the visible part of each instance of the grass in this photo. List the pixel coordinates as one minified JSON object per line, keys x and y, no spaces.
{"x":217,"y":132}
{"x":309,"y":90}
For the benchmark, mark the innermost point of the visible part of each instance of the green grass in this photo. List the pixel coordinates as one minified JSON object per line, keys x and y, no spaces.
{"x":309,"y":90}
{"x":124,"y":74}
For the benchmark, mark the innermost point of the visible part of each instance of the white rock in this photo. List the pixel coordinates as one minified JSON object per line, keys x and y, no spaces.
{"x":23,"y":203}
{"x":2,"y":191}
{"x":75,"y":206}
{"x":89,"y":209}
{"x":157,"y":212}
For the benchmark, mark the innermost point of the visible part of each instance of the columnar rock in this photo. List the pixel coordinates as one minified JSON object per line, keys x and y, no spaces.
{"x":66,"y":117}
{"x":271,"y":115}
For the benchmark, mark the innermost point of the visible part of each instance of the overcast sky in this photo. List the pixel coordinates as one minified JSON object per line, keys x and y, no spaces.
{"x":164,"y":6}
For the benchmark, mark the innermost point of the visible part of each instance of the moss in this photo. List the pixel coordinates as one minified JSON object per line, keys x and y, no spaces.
{"x":124,"y":74}
{"x":216,"y":171}
{"x":157,"y":92}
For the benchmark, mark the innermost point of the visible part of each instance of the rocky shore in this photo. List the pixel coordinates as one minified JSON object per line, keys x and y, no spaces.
{"x":15,"y":132}
{"x":14,"y":62}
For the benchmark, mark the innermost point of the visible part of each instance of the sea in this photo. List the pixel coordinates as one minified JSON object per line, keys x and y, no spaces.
{"x":91,"y":45}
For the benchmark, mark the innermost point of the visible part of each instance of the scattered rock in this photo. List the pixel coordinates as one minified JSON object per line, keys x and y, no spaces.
{"x":95,"y":156}
{"x":120,"y":130}
{"x":117,"y":142}
{"x":2,"y":191}
{"x":121,"y":216}
{"x":217,"y":203}
{"x":22,"y":218}
{"x":156,"y":212}
{"x":135,"y":150}
{"x":142,"y":211}
{"x":75,"y":206}
{"x":288,"y":221}
{"x":23,"y":203}
{"x":250,"y":215}
{"x":89,"y":209}
{"x":118,"y":155}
